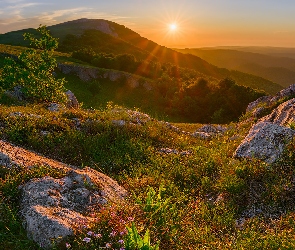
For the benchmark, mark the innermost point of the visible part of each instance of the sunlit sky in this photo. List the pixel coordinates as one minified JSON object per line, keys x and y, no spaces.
{"x":200,"y":23}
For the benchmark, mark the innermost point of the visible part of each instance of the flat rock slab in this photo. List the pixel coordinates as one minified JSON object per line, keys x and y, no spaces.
{"x":11,"y":156}
{"x":53,"y":209}
{"x":265,"y":141}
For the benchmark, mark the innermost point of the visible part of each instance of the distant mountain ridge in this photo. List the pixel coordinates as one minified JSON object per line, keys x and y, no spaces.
{"x":258,"y":61}
{"x":118,"y":39}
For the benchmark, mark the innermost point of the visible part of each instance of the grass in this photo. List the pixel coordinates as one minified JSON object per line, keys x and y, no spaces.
{"x":198,"y":201}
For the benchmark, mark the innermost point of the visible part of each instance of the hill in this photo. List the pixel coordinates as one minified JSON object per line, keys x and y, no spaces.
{"x":262,"y":62}
{"x":109,"y":37}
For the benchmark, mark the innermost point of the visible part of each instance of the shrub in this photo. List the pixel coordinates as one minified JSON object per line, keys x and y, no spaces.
{"x":33,"y":70}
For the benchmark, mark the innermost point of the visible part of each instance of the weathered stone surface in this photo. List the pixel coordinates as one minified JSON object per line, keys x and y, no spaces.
{"x":13,"y":156}
{"x":53,"y":209}
{"x":138,"y":117}
{"x":72,"y":101}
{"x":261,"y":100}
{"x":283,"y":115}
{"x":16,"y":93}
{"x":265,"y":141}
{"x":202,"y":135}
{"x":55,"y":107}
{"x":90,"y":73}
{"x":211,"y":129}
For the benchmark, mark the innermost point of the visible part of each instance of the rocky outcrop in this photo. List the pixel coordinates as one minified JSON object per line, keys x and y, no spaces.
{"x":265,"y":141}
{"x":283,"y":115}
{"x":270,"y":100}
{"x":90,"y":73}
{"x":268,"y":138}
{"x":53,"y":209}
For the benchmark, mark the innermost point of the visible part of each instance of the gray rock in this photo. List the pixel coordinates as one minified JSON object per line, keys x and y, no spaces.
{"x":138,"y":117}
{"x":258,"y":112}
{"x":283,"y":115}
{"x":72,"y":101}
{"x":202,"y":135}
{"x":261,"y":100}
{"x":16,"y":93}
{"x":119,"y":123}
{"x":211,"y":129}
{"x":53,"y":209}
{"x":55,"y":107}
{"x":265,"y":141}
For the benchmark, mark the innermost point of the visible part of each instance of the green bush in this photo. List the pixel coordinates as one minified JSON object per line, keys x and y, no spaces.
{"x":33,"y":70}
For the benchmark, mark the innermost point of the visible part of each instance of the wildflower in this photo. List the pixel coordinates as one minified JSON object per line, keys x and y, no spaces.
{"x":87,"y":240}
{"x":130,"y":218}
{"x":121,"y":241}
{"x":68,"y":245}
{"x":123,"y":232}
{"x":122,"y":248}
{"x":97,"y":235}
{"x":113,"y":233}
{"x":90,"y":233}
{"x":108,"y":245}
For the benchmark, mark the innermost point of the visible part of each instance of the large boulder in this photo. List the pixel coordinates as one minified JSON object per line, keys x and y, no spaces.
{"x":265,"y":141}
{"x":53,"y":209}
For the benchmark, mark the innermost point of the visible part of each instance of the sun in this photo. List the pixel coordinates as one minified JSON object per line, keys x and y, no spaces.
{"x":173,"y":26}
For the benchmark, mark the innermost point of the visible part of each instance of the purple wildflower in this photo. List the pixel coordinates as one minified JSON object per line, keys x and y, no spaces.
{"x":87,"y":240}
{"x":113,"y":233}
{"x":68,"y":245}
{"x":90,"y":233}
{"x":97,"y":235}
{"x":121,"y":241}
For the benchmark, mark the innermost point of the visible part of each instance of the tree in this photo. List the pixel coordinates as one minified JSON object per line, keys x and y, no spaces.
{"x":33,"y":70}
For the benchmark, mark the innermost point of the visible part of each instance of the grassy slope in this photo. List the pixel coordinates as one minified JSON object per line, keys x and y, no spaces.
{"x":276,"y":69}
{"x":185,"y":216}
{"x":131,"y":42}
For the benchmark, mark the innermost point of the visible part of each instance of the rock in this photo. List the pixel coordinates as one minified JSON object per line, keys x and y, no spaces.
{"x":44,"y":133}
{"x":265,"y":141}
{"x":13,"y":156}
{"x":55,"y":107}
{"x":285,"y":93}
{"x":6,"y":161}
{"x":72,"y":101}
{"x":258,"y":112}
{"x":119,"y":123}
{"x":283,"y":115}
{"x":261,"y":100}
{"x":211,"y":129}
{"x":168,"y":151}
{"x":16,"y":93}
{"x":202,"y":135}
{"x":53,"y":209}
{"x":16,"y":114}
{"x":138,"y":117}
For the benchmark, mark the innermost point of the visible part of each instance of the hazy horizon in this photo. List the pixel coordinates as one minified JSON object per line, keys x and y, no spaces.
{"x":198,"y":23}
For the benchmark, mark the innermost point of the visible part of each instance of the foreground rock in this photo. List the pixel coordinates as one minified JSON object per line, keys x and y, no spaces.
{"x":265,"y":141}
{"x":53,"y":209}
{"x":268,"y":138}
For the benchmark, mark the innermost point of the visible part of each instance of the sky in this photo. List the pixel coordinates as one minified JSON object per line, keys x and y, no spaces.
{"x":200,"y":23}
